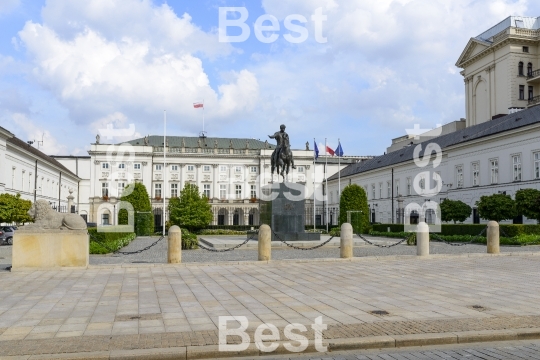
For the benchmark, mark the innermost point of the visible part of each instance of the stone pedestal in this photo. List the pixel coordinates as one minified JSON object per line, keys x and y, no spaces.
{"x":49,"y":249}
{"x":493,"y":239}
{"x":422,"y":239}
{"x":174,"y":245}
{"x":282,"y":207}
{"x":346,"y":243}
{"x":265,"y":246}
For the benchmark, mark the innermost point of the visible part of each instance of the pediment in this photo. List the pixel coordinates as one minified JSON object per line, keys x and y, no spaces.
{"x":474,"y":47}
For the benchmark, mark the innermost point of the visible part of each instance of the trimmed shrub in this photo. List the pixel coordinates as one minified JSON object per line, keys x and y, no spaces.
{"x":189,"y":240}
{"x":354,"y":198}
{"x":144,"y":223}
{"x":221,"y":232}
{"x":136,"y":195}
{"x":468,"y":229}
{"x":105,"y":243}
{"x":191,"y":210}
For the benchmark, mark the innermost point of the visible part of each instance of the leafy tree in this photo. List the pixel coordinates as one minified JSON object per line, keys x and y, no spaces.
{"x":455,"y":210}
{"x":13,"y":209}
{"x":496,"y":207}
{"x":191,"y":210}
{"x":354,"y":198}
{"x":527,"y":203}
{"x":137,"y":196}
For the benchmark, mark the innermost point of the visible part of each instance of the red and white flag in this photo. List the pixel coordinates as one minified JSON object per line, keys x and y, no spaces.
{"x":198,"y":105}
{"x":329,"y":150}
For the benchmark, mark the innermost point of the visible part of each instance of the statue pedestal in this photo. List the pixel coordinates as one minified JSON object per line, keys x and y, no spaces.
{"x":50,"y":249}
{"x":283,"y":208}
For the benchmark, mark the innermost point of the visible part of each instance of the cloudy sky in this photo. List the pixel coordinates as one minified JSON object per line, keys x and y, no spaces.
{"x":71,"y":68}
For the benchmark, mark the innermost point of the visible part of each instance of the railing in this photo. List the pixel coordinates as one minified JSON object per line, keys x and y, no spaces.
{"x":534,"y":100}
{"x":533,"y":74}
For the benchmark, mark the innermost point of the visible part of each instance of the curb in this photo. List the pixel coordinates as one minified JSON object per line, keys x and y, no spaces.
{"x":360,"y":343}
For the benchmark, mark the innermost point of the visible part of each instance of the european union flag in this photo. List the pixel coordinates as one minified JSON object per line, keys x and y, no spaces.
{"x":339,"y":150}
{"x":316,"y":149}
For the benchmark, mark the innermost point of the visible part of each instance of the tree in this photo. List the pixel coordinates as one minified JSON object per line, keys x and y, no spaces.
{"x":354,"y":198}
{"x":191,"y":210}
{"x":455,"y":210}
{"x":496,"y":207}
{"x":527,"y":203}
{"x":137,"y":196}
{"x":13,"y":209}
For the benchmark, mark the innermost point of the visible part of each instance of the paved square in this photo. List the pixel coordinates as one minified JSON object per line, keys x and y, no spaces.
{"x":149,"y":306}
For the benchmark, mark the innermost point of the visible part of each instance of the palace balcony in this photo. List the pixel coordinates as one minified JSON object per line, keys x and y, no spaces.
{"x":534,"y":101}
{"x":533,"y":77}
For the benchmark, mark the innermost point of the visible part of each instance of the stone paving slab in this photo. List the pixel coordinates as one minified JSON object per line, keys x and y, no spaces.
{"x":143,"y":306}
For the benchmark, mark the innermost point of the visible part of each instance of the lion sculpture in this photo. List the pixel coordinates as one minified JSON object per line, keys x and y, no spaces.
{"x":48,"y":219}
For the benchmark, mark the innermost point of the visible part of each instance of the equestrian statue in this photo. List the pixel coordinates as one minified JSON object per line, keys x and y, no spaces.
{"x":282,"y":157}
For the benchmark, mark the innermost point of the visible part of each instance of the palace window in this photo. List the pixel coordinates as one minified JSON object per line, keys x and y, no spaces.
{"x":494,"y":171}
{"x":253,"y":191}
{"x":206,"y":168}
{"x":174,"y":190}
{"x":121,"y":186}
{"x":531,"y":92}
{"x":537,"y":165}
{"x":253,"y":169}
{"x":529,"y":69}
{"x":137,"y":166}
{"x":158,"y":167}
{"x":238,"y":169}
{"x":191,"y":168}
{"x":388,"y":189}
{"x":104,"y":189}
{"x":476,"y":174}
{"x":223,"y":191}
{"x":157,"y":190}
{"x":206,"y":190}
{"x":521,"y":92}
{"x":409,"y":186}
{"x":301,"y":169}
{"x":174,"y":167}
{"x":121,"y":166}
{"x":516,"y":167}
{"x":525,"y":49}
{"x":373,"y":191}
{"x":459,"y":176}
{"x":422,"y":182}
{"x":380,"y":190}
{"x":520,"y":68}
{"x":397,"y":187}
{"x":105,"y":166}
{"x":223,"y":168}
{"x":238,"y":191}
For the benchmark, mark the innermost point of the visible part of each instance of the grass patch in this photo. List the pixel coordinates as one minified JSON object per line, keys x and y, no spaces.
{"x":106,"y":243}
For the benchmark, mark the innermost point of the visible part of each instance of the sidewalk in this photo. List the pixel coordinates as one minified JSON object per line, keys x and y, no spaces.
{"x":109,"y":311}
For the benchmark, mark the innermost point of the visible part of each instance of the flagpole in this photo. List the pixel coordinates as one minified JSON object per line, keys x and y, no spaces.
{"x":164,"y":192}
{"x":203,"y":117}
{"x":339,"y":172}
{"x":326,"y":181}
{"x":314,"y":174}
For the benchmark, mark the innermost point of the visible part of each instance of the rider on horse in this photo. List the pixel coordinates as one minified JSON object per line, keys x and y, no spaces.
{"x":282,"y":139}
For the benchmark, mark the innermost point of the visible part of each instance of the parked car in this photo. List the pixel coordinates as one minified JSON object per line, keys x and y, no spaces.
{"x":8,"y":231}
{"x":2,"y":237}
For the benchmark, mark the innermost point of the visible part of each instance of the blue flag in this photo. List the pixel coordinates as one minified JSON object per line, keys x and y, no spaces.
{"x":339,"y":150}
{"x":316,"y":149}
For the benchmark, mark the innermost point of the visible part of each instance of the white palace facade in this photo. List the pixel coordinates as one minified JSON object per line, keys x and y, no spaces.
{"x":230,"y":172}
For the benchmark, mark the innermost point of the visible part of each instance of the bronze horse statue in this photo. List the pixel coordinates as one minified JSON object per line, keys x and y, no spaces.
{"x":282,"y":157}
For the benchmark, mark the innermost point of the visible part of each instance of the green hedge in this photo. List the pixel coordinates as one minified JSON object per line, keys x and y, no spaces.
{"x":189,"y":240}
{"x":144,"y":223}
{"x":221,"y":232}
{"x":105,"y":243}
{"x":510,"y":230}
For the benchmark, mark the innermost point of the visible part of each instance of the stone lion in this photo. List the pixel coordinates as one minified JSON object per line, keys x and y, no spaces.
{"x":48,"y":219}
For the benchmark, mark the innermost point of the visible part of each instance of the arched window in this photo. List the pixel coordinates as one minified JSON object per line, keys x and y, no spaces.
{"x":529,"y":69}
{"x":520,"y":68}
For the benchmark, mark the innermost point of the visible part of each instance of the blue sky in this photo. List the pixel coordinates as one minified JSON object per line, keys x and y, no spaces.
{"x":70,"y":68}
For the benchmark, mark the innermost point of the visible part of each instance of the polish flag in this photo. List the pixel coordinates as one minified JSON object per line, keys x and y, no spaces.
{"x":198,"y":105}
{"x":329,"y":150}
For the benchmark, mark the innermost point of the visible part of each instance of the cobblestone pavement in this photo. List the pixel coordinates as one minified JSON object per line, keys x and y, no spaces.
{"x":158,"y":254}
{"x":514,"y":350}
{"x":142,"y":307}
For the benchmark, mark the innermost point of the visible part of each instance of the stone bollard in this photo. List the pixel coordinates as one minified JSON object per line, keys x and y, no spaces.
{"x":493,"y":237}
{"x":422,"y":239}
{"x":174,"y":248}
{"x":346,"y":246}
{"x":265,"y":243}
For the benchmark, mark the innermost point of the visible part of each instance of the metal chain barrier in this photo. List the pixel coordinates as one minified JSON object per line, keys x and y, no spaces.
{"x":382,"y":246}
{"x":229,"y":249}
{"x":439,"y":239}
{"x":301,"y":248}
{"x":126,"y":252}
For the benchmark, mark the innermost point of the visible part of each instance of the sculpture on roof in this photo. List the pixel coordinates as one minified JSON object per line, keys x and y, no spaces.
{"x":230,"y":144}
{"x":307,"y":145}
{"x":183,"y":143}
{"x":215,"y":144}
{"x":247,"y":144}
{"x":97,"y":138}
{"x":199,"y":143}
{"x":146,"y":140}
{"x":282,"y":156}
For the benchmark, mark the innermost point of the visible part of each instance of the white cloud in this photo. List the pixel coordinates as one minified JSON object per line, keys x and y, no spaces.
{"x":50,"y":145}
{"x":95,"y":74}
